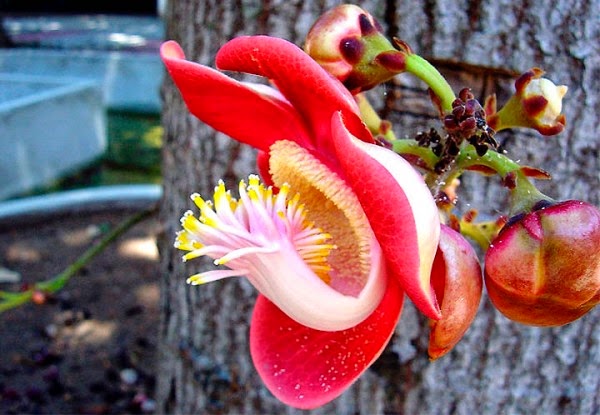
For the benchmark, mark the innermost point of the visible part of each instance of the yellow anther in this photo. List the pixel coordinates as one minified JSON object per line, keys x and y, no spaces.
{"x":254,"y":180}
{"x":198,"y":201}
{"x":195,"y":280}
{"x":308,"y":240}
{"x":185,"y":242}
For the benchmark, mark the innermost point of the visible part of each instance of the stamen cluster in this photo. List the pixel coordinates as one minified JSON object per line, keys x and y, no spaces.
{"x":230,"y":230}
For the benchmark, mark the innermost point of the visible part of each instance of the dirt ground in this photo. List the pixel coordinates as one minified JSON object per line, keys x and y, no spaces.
{"x":91,"y":348}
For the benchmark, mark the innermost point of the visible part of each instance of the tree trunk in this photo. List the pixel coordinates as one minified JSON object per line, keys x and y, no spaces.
{"x":500,"y":366}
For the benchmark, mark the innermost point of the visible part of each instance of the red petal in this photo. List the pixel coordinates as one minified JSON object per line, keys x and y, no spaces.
{"x":262,"y":164}
{"x":457,"y":279}
{"x":408,"y":234}
{"x":230,"y":106}
{"x":312,"y":91}
{"x":307,"y":368}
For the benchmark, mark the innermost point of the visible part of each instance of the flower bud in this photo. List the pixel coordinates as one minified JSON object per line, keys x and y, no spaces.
{"x":456,"y":279}
{"x":537,"y":104}
{"x":348,"y":43}
{"x":543,"y":269}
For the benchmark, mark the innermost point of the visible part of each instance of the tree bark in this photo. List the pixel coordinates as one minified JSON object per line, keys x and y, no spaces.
{"x":500,"y":366}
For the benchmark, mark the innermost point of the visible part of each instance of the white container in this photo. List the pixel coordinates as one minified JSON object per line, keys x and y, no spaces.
{"x":130,"y":81}
{"x":49,"y":127}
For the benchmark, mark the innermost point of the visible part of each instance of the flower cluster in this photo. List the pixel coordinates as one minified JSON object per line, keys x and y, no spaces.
{"x":345,"y":219}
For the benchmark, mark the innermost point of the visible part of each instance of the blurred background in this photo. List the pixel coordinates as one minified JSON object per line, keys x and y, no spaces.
{"x":80,"y":144}
{"x":80,"y":100}
{"x":82,"y":76}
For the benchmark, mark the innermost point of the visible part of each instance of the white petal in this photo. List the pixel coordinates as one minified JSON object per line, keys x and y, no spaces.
{"x":285,"y":279}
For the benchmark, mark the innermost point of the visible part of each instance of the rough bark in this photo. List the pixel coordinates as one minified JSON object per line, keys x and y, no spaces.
{"x":499,"y":367}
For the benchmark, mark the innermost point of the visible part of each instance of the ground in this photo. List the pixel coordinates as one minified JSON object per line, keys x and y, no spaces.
{"x":91,"y":348}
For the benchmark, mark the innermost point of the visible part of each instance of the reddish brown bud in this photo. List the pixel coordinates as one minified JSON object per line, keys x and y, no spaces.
{"x":510,"y":180}
{"x":366,"y":23}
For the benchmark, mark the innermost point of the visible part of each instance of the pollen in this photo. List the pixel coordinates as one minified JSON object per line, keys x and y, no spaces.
{"x":260,"y":221}
{"x":328,"y":203}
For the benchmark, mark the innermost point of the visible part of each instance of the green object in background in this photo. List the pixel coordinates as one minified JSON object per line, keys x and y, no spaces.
{"x":132,"y":156}
{"x":134,"y":141}
{"x":133,"y":153}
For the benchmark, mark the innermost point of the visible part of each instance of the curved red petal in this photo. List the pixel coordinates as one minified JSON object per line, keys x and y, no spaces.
{"x":232,"y":107}
{"x":400,"y":209}
{"x":307,"y":368}
{"x":310,"y":89}
{"x":262,"y":164}
{"x":458,"y":283}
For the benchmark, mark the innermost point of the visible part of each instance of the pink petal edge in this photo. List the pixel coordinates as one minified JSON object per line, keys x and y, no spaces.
{"x":393,"y":219}
{"x":259,"y":118}
{"x":307,"y":368}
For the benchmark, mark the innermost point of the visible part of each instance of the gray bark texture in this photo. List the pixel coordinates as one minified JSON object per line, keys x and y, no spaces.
{"x":499,"y":367}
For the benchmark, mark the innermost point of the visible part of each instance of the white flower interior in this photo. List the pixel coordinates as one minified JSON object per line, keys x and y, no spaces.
{"x":325,"y":280}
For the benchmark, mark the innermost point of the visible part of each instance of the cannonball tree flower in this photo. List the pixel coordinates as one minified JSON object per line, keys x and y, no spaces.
{"x":345,"y":229}
{"x":543,"y":269}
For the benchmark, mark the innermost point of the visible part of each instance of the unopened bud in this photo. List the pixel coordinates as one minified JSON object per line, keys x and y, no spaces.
{"x":537,"y":104}
{"x":543,"y":269}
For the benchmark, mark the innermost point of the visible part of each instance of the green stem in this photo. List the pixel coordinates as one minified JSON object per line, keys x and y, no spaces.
{"x":425,"y":71}
{"x":410,"y":146}
{"x":524,"y":194}
{"x":402,"y":146}
{"x":498,"y":162}
{"x":10,"y":300}
{"x":372,"y":120}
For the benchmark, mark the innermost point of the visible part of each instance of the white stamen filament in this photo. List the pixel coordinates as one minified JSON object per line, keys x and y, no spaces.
{"x":238,"y":253}
{"x":214,"y":275}
{"x":232,"y":231}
